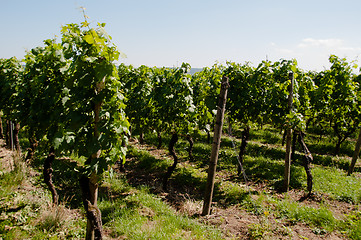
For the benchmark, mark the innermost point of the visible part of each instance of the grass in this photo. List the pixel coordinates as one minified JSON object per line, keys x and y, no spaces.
{"x":263,"y":169}
{"x":352,"y":225}
{"x":337,"y":184}
{"x":127,"y":211}
{"x":325,"y":145}
{"x":26,"y":212}
{"x":16,"y":177}
{"x":138,"y":214}
{"x":134,"y":207}
{"x":321,"y":219}
{"x":230,"y":193}
{"x":264,"y":163}
{"x":148,"y":161}
{"x":268,"y":135}
{"x":318,"y":217}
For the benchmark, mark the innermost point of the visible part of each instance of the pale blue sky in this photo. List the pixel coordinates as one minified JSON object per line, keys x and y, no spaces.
{"x":199,"y":32}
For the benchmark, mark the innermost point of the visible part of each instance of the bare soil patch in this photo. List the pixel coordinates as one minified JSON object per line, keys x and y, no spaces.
{"x":6,"y":157}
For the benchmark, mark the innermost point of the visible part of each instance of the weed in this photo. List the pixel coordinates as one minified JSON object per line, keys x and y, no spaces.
{"x":232,"y":193}
{"x":189,"y":176}
{"x":352,"y":225}
{"x":262,"y":229}
{"x":257,"y":231}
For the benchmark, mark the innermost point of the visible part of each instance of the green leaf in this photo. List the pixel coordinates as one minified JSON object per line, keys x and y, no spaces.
{"x":84,"y":24}
{"x":65,"y":99}
{"x":89,"y":38}
{"x":57,"y":142}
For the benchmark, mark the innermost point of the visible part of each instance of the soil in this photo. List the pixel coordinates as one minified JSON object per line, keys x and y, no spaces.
{"x":6,"y":157}
{"x":32,"y":191}
{"x":234,"y":221}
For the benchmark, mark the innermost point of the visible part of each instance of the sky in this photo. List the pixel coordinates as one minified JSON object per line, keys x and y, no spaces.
{"x":199,"y":32}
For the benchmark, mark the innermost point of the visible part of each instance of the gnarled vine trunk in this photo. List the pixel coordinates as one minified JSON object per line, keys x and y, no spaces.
{"x":16,"y":136}
{"x":340,"y":138}
{"x":284,"y":137}
{"x":89,"y":189}
{"x":242,"y":149}
{"x":170,"y":170}
{"x":355,"y":155}
{"x":190,"y":148}
{"x":307,"y":159}
{"x":48,"y":175}
{"x":31,"y":150}
{"x":337,"y":147}
{"x":89,"y":184}
{"x":159,"y":136}
{"x":208,"y":136}
{"x":141,"y":137}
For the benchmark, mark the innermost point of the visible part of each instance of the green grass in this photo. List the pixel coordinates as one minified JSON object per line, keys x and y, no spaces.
{"x":271,"y":171}
{"x":26,"y":212}
{"x":9,"y":181}
{"x":230,"y":193}
{"x":131,"y":207}
{"x":352,"y":225}
{"x":318,"y":217}
{"x":325,"y":144}
{"x":340,"y":162}
{"x":201,"y":153}
{"x":138,"y":214}
{"x":321,"y":219}
{"x":147,"y":161}
{"x":337,"y":184}
{"x":264,"y":163}
{"x":265,"y":135}
{"x":190,"y":176}
{"x":127,"y":211}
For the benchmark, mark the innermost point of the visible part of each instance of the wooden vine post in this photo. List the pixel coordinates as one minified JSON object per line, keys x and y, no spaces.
{"x":11,"y":134}
{"x":288,"y":138}
{"x":215,"y":147}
